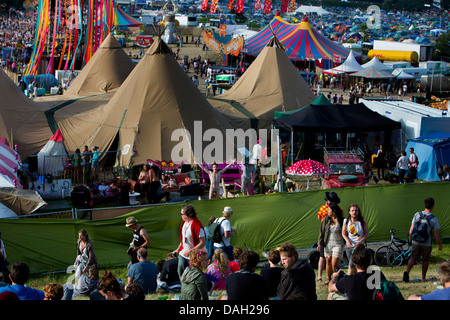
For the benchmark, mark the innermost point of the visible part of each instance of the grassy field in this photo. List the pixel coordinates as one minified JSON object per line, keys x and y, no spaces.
{"x":393,"y":274}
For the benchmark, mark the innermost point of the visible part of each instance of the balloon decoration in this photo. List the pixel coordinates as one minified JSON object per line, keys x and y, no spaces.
{"x":71,"y":30}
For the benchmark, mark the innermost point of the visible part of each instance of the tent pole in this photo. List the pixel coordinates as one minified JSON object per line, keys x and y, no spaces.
{"x":292,"y":146}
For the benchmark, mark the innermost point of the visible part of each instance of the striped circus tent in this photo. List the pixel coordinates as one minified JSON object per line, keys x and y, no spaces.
{"x":10,"y":163}
{"x":300,"y":41}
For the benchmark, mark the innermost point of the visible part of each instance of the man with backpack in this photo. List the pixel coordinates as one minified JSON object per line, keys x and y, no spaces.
{"x":423,"y":227}
{"x":220,"y":232}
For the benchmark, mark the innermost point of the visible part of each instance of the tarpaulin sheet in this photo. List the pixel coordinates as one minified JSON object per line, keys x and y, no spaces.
{"x":262,"y":222}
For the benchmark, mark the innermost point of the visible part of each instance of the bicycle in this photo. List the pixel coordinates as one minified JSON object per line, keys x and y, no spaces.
{"x":396,"y":245}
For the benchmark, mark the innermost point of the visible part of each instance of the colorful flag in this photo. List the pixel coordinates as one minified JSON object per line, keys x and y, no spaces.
{"x":213,"y":8}
{"x":267,"y":6}
{"x":230,"y":5}
{"x":292,"y":6}
{"x":204,"y":5}
{"x":240,"y":6}
{"x":258,"y":5}
{"x":284,"y":5}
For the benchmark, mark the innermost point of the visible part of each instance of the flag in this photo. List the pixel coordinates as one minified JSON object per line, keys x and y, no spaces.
{"x":258,"y":5}
{"x":284,"y":5}
{"x":230,"y":5}
{"x":213,"y":8}
{"x":240,"y":6}
{"x":267,"y":6}
{"x":204,"y":5}
{"x":292,"y":6}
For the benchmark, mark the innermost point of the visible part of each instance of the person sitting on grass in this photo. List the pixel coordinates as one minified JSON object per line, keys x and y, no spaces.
{"x":273,"y":273}
{"x":53,"y":291}
{"x":353,"y":287}
{"x":439,"y":293}
{"x":194,"y":285}
{"x":19,"y":275}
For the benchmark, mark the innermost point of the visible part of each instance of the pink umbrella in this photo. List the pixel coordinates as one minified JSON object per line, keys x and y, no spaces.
{"x":308,"y":168}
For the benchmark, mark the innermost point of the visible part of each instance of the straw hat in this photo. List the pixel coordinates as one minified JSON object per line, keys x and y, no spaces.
{"x":130,"y":221}
{"x":227,"y":210}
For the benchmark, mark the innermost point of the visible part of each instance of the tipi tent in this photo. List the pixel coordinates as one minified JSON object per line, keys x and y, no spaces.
{"x":52,"y":158}
{"x":270,"y":84}
{"x":22,"y":121}
{"x":155,"y":111}
{"x":433,"y":151}
{"x":106,"y":70}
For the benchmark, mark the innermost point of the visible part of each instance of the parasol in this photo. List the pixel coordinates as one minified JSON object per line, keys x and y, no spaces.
{"x":308,"y":168}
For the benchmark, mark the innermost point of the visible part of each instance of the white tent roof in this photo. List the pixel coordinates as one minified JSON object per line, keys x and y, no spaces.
{"x":399,"y":73}
{"x":6,"y":212}
{"x":377,"y":64}
{"x":312,"y":9}
{"x":350,"y":65}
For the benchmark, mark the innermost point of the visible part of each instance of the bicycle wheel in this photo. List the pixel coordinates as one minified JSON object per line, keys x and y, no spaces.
{"x":381,"y":256}
{"x":395,"y":258}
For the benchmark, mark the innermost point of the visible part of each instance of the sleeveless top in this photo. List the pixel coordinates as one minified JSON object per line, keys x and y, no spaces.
{"x":138,"y":240}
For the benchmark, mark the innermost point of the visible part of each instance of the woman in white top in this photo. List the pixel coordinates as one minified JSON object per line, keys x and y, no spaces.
{"x":354,"y":232}
{"x":402,"y":165}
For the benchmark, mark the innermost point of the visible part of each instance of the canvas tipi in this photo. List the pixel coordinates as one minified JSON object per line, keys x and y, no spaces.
{"x":270,"y":84}
{"x":155,"y":110}
{"x":105,"y":71}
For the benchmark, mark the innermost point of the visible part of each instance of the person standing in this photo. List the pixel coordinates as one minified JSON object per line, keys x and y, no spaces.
{"x":413,"y":164}
{"x":155,"y":184}
{"x":227,"y":231}
{"x":330,"y":238}
{"x":143,"y":273}
{"x":192,"y":236}
{"x":423,"y":248}
{"x":144,"y":182}
{"x":95,"y":160}
{"x":214,"y":179}
{"x":380,"y":161}
{"x":354,"y":231}
{"x":140,"y":239}
{"x":402,"y":165}
{"x":248,"y":172}
{"x":85,"y":254}
{"x":323,"y":212}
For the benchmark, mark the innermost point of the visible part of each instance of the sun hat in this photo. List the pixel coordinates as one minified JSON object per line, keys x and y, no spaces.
{"x":130,"y":221}
{"x":332,"y":197}
{"x":227,"y":210}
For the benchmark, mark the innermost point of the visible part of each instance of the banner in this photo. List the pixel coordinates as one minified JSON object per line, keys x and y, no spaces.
{"x":240,"y":6}
{"x":267,"y":7}
{"x":213,"y":8}
{"x":50,"y":244}
{"x":230,"y":5}
{"x":258,"y":5}
{"x":284,"y":5}
{"x":144,"y":41}
{"x":204,"y":5}
{"x":222,"y":43}
{"x":292,"y":6}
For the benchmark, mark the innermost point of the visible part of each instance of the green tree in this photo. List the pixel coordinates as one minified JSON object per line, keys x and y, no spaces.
{"x":442,"y":48}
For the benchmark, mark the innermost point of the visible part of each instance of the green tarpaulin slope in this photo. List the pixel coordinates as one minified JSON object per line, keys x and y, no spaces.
{"x":262,"y":222}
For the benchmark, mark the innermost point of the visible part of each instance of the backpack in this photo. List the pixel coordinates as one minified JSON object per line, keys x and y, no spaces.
{"x":421,"y":231}
{"x":388,"y":291}
{"x":215,"y":232}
